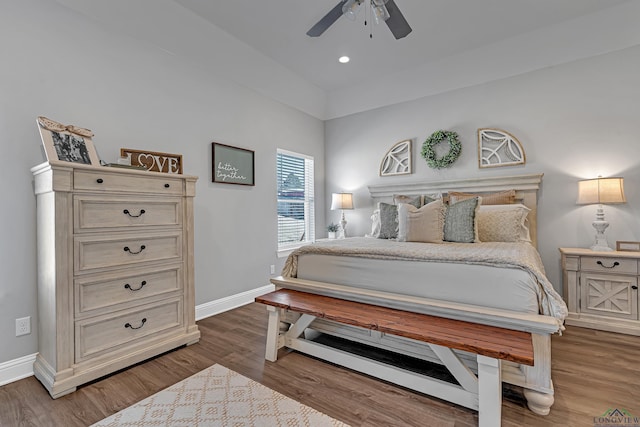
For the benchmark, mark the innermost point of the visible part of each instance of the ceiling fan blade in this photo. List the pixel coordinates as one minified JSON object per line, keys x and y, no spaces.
{"x":396,"y":22}
{"x":326,"y":21}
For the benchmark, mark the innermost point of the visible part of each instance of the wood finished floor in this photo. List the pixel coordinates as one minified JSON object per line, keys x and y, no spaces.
{"x":592,"y":372}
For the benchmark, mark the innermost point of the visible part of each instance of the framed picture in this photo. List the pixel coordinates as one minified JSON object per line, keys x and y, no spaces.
{"x":67,"y":143}
{"x":628,"y":246}
{"x":232,"y":165}
{"x":153,"y":161}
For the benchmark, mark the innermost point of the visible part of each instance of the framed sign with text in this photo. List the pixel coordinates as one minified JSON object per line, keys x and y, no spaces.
{"x":232,"y":165}
{"x":154,"y":161}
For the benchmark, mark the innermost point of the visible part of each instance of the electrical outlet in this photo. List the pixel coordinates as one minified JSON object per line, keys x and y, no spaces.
{"x":23,"y":326}
{"x":273,"y":269}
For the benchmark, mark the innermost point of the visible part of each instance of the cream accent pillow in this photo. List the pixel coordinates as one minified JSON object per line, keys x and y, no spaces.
{"x":421,"y":225}
{"x":499,"y":198}
{"x":503,"y":223}
{"x":415,"y":200}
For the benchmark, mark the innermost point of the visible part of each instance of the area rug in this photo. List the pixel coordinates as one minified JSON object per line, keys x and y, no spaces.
{"x":218,"y":396}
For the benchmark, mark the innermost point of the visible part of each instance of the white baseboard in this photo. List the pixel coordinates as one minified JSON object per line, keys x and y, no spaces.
{"x":229,"y":303}
{"x":22,"y":367}
{"x":17,"y":369}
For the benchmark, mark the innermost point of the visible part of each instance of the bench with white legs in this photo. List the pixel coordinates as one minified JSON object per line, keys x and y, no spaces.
{"x":491,"y":344}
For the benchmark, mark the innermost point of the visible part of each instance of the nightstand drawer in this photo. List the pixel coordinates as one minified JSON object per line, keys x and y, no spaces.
{"x":95,"y":212}
{"x":113,"y":331}
{"x":97,"y":293}
{"x":609,"y":264}
{"x":106,"y":180}
{"x":94,"y":251}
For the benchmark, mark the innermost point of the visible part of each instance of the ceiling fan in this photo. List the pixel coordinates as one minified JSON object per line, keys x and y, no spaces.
{"x":382,"y":10}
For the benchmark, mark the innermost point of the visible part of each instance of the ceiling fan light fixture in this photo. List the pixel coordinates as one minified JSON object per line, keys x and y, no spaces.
{"x":350,"y":9}
{"x":380,"y":12}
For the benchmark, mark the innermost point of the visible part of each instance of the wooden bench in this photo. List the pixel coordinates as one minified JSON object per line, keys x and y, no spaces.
{"x":491,"y":344}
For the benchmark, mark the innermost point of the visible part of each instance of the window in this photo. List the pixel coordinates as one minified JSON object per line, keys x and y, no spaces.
{"x":296,"y":217}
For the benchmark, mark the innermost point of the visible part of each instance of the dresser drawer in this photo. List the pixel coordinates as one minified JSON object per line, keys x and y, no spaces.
{"x":114,"y":292}
{"x":609,"y":264}
{"x":94,"y":251}
{"x":111,"y":332}
{"x":116,"y":182}
{"x":95,"y":212}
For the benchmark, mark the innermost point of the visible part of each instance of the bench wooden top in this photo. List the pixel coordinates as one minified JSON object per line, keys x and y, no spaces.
{"x":491,"y":341}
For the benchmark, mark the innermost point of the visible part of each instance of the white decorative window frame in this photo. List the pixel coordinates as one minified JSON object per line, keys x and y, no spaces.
{"x":397,"y":161}
{"x":497,"y":148}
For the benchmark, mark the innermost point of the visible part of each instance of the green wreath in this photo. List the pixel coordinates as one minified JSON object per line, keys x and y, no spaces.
{"x":429,"y":153}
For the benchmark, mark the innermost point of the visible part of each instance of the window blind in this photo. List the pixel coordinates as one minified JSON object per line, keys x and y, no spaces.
{"x":296,"y":216}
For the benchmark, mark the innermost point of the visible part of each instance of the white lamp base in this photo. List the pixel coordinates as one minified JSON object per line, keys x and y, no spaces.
{"x":601,"y":243}
{"x":343,"y":227}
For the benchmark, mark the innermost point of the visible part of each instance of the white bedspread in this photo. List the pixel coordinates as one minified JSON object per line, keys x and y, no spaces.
{"x":521,"y":256}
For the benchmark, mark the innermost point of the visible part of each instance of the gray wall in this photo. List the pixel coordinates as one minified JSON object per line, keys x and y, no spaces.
{"x":59,"y":64}
{"x":575,"y":121}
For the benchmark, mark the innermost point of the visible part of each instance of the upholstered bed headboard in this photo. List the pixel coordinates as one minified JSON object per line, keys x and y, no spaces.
{"x":525,"y":186}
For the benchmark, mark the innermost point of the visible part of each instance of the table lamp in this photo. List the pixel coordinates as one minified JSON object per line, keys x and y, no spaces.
{"x":342,"y":201}
{"x":601,"y":191}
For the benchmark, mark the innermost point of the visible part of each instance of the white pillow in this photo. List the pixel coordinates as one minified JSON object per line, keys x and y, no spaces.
{"x":503,"y":223}
{"x":375,"y":224}
{"x":421,"y":225}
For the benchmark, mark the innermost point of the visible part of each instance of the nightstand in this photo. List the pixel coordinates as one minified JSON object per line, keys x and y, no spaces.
{"x":601,"y":289}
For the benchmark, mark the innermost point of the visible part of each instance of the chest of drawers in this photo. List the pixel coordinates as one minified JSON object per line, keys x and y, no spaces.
{"x":115,"y":270}
{"x":601,"y":289}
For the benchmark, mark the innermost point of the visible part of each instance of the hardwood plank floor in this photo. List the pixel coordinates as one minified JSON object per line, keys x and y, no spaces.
{"x":592,"y":372}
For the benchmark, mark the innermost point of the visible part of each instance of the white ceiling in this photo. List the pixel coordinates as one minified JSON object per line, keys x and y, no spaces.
{"x":454,"y":43}
{"x":441,"y":28}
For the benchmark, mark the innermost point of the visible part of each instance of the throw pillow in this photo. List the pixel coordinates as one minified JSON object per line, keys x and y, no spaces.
{"x":388,"y":221}
{"x":459,"y":221}
{"x":421,"y":225}
{"x":503,"y":223}
{"x":412,"y":200}
{"x":499,"y":198}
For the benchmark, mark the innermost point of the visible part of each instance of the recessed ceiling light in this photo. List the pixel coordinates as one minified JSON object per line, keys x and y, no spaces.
{"x":343,"y":59}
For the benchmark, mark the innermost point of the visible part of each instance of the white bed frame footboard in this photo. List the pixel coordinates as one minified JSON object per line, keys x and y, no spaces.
{"x":536,"y":380}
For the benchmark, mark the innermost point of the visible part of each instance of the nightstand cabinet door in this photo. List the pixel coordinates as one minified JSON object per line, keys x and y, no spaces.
{"x":609,"y":295}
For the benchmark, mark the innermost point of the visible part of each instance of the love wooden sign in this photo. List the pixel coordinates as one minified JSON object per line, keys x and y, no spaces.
{"x":154,"y":161}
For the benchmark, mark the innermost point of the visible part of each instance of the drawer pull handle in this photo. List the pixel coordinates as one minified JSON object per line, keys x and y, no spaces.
{"x":634,"y":287}
{"x":126,"y":212}
{"x":142,"y":248}
{"x":128,"y":325}
{"x":99,"y":180}
{"x":128,"y":286}
{"x":167,"y":186}
{"x":615,"y":263}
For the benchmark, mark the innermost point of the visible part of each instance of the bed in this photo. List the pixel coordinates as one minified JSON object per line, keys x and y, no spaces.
{"x":499,"y":283}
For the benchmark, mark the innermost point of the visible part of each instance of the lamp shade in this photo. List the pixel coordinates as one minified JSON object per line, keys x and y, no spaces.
{"x":341,"y":201}
{"x":601,"y":190}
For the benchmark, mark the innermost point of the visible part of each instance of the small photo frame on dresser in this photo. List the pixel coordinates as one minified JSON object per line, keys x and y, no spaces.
{"x":67,"y":143}
{"x":628,"y":246}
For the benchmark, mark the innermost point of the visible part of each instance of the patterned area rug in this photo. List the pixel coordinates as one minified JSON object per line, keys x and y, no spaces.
{"x":218,"y":396}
